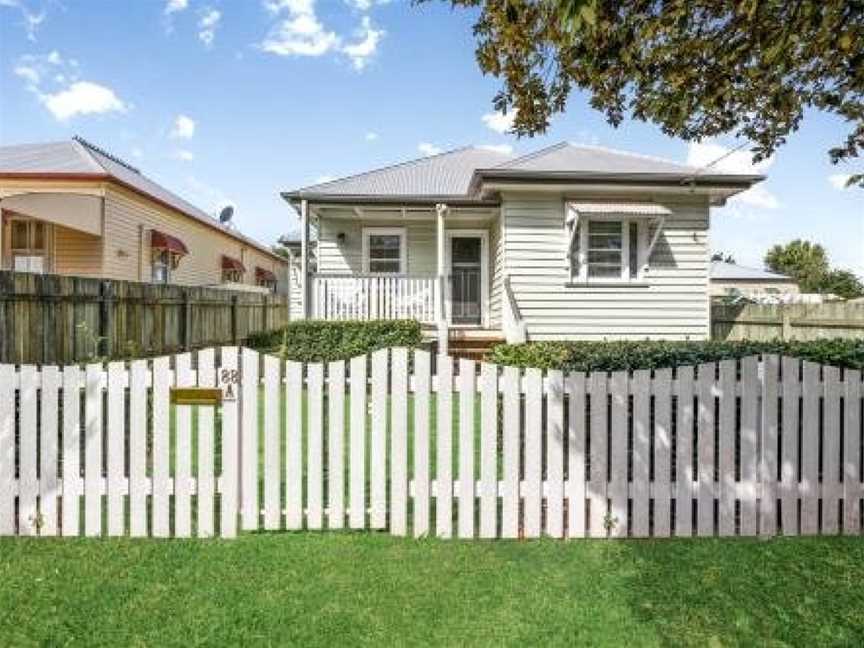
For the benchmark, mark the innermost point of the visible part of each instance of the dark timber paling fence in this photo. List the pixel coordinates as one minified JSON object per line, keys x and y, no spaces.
{"x":787,"y":321}
{"x":59,"y":319}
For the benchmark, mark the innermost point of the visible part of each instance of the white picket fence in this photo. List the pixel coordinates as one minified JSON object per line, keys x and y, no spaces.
{"x":743,"y":447}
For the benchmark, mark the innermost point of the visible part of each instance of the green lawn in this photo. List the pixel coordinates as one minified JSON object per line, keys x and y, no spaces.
{"x":370,"y":589}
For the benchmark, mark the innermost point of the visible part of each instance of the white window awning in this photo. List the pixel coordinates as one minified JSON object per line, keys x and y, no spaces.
{"x":80,"y":212}
{"x":629,"y":209}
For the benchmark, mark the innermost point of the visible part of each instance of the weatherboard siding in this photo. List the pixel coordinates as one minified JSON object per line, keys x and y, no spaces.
{"x":76,"y":253}
{"x":672,"y":303}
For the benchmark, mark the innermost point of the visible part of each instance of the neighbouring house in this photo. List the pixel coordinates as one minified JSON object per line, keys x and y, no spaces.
{"x":71,"y":208}
{"x":568,"y":242}
{"x":731,"y":280}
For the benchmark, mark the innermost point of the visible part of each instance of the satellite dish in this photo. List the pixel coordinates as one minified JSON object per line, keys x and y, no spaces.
{"x":226,"y":215}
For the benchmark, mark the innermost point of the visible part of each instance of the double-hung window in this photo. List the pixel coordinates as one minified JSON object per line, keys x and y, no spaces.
{"x":161,"y":266}
{"x":384,"y":250}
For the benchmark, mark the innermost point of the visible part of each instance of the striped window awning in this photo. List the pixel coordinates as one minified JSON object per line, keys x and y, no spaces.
{"x":161,"y":241}
{"x":232,"y":264}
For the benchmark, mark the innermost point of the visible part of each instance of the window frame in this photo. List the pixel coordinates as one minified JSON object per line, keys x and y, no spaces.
{"x":369,"y":232}
{"x":577,"y":261}
{"x":28,"y":252}
{"x":156,"y":262}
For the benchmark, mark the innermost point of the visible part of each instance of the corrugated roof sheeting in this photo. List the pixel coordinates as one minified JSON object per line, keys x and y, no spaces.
{"x":720,"y":270}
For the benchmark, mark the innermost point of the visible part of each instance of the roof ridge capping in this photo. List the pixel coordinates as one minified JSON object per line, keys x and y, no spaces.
{"x":101,"y":151}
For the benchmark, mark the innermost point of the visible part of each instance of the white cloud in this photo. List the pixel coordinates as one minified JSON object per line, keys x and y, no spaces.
{"x":83,"y":98}
{"x":725,"y":160}
{"x":365,"y":5}
{"x":506,"y":149}
{"x":361,"y":51}
{"x":208,"y":24}
{"x":174,"y":6}
{"x":428,"y":149}
{"x":29,"y":74}
{"x":838,"y":180}
{"x":31,"y":20}
{"x":499,"y":122}
{"x":184,"y":155}
{"x":371,"y":136}
{"x":184,"y":128}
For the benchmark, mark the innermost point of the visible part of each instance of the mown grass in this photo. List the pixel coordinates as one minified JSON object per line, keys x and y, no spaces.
{"x":370,"y":589}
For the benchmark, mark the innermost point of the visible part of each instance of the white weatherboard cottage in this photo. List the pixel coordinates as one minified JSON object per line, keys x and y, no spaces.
{"x":569,"y":242}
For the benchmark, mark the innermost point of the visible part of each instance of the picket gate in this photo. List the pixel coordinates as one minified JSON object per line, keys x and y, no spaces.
{"x":749,"y":447}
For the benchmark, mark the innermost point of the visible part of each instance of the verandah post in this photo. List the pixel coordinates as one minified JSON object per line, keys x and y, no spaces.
{"x":441,"y":210}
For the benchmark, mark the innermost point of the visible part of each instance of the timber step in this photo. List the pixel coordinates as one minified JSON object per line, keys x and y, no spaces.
{"x":472,"y":344}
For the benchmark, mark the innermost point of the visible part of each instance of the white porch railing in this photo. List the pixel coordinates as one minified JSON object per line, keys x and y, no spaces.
{"x":374,"y":296}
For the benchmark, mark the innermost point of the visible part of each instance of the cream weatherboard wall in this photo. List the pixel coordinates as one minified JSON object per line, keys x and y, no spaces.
{"x":672,"y":302}
{"x":76,"y":253}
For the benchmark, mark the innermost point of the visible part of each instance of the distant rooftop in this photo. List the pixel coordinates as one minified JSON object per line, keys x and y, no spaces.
{"x":722,"y":271}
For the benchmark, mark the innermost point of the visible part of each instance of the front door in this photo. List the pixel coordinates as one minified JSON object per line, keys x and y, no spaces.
{"x":466,"y":280}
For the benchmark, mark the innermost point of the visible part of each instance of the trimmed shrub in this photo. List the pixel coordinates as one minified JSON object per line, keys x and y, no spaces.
{"x":619,"y":356}
{"x":323,"y":341}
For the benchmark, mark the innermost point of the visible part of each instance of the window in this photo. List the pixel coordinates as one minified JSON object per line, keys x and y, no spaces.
{"x":606,"y":249}
{"x":161,"y":266}
{"x":28,"y":245}
{"x":232,"y":276}
{"x":384,"y":250}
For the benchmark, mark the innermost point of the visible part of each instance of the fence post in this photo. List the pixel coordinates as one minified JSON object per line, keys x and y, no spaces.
{"x":266,"y":313}
{"x":234,"y":319}
{"x":106,"y":318}
{"x":187,"y":321}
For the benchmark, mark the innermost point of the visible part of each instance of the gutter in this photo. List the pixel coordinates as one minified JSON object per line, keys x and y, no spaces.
{"x":294,"y":198}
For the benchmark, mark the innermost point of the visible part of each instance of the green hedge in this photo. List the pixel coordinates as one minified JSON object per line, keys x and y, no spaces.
{"x":323,"y":341}
{"x":617,"y":356}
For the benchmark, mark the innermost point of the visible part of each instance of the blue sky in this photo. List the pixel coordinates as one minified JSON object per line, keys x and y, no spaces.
{"x":235,"y":101}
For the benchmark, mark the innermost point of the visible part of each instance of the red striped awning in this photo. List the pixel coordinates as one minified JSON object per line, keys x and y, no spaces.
{"x":162,"y":241}
{"x":232,"y":264}
{"x":264,"y":275}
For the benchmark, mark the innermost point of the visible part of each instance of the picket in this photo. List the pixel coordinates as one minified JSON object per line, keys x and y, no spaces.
{"x":183,"y":452}
{"x":555,"y":455}
{"x":315,"y":451}
{"x":272,"y":447}
{"x":137,"y":448}
{"x":510,"y":451}
{"x":250,"y":508}
{"x":378,"y":445}
{"x":467,"y":379}
{"x":357,"y":496}
{"x":399,"y":443}
{"x":852,"y":453}
{"x":116,"y":446}
{"x":601,"y":452}
{"x":422,"y":385}
{"x":49,"y":450}
{"x":444,"y":449}
{"x":205,"y":481}
{"x":93,"y":451}
{"x":335,"y":445}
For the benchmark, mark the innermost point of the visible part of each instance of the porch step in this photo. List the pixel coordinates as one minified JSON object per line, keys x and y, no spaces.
{"x":472,"y":344}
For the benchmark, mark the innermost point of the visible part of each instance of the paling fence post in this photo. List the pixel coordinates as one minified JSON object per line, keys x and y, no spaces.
{"x":467,"y":387}
{"x":789,"y":447}
{"x":619,"y":391}
{"x":249,"y":394}
{"x":49,"y":450}
{"x":768,"y":464}
{"x":357,"y":477}
{"x":205,"y":475}
{"x":7,"y":449}
{"x":293,"y":445}
{"x":662,"y":453}
{"x":727,"y":448}
{"x":810,"y":450}
{"x":399,"y":443}
{"x":488,"y":450}
{"x":71,"y":447}
{"x":28,"y":514}
{"x":272,"y":449}
{"x":641,"y":451}
{"x":533,"y":448}
{"x":137,"y":448}
{"x":93,"y":451}
{"x":851,"y":455}
{"x":315,"y":454}
{"x":230,"y":460}
{"x":444,"y":453}
{"x":183,"y":451}
{"x":422,"y":368}
{"x":599,"y":443}
{"x":336,"y":445}
{"x":705,"y":450}
{"x":831,"y":451}
{"x":749,"y":444}
{"x":510,"y":460}
{"x":555,"y":455}
{"x":161,"y":448}
{"x":378,"y":443}
{"x":576,"y":435}
{"x":684,"y":472}
{"x":116,"y":447}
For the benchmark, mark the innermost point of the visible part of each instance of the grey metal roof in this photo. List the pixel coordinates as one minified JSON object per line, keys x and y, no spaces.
{"x":722,"y":271}
{"x":79,"y":156}
{"x":445,"y":174}
{"x":565,"y":157}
